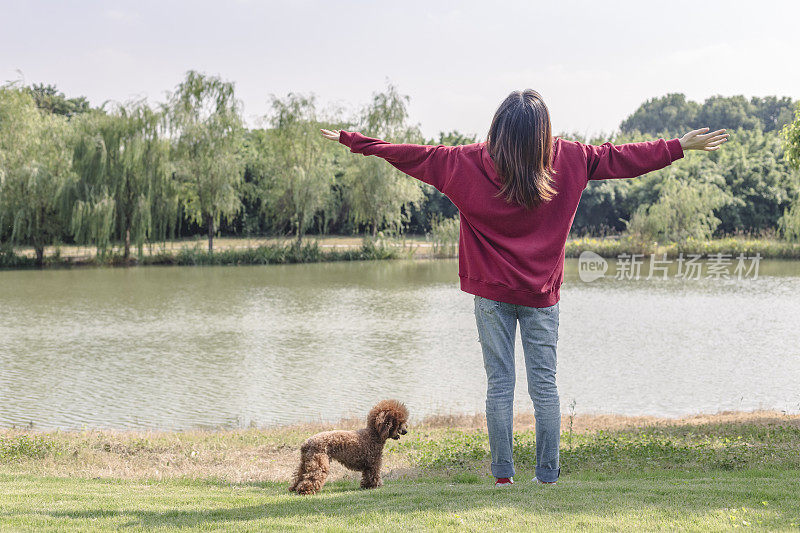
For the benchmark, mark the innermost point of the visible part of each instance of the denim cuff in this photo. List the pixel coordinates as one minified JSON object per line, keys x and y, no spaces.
{"x":547,"y":475}
{"x":503,"y":469}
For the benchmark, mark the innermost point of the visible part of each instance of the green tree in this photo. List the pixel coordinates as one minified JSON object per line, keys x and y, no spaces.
{"x":791,"y":138}
{"x":789,"y":223}
{"x":454,"y":138}
{"x":376,"y":194}
{"x":774,"y":112}
{"x":751,"y":169}
{"x":50,"y":99}
{"x":299,"y":168}
{"x":676,"y":202}
{"x":760,"y":179}
{"x":731,"y":112}
{"x":671,"y":113}
{"x":684,"y":209}
{"x":125,"y":189}
{"x":256,"y":152}
{"x":35,"y":171}
{"x":206,"y":130}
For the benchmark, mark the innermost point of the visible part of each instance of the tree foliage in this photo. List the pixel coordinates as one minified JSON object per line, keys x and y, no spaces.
{"x":789,"y":223}
{"x":126,"y":175}
{"x":674,"y":114}
{"x":375,"y":193}
{"x":50,"y":99}
{"x":206,"y":129}
{"x":35,"y":171}
{"x":683,"y":210}
{"x":791,"y":136}
{"x":299,"y":171}
{"x":751,"y":169}
{"x":125,"y":191}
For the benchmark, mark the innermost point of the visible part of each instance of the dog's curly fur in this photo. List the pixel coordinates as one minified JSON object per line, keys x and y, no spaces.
{"x":360,"y":450}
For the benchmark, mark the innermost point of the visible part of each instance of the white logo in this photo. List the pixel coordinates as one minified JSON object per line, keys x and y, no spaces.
{"x":591,"y":266}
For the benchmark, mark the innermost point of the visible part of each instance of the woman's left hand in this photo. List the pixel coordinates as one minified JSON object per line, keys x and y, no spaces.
{"x":332,"y":135}
{"x":700,"y":140}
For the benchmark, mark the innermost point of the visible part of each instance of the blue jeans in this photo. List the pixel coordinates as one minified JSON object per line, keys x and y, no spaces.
{"x":497,"y":327}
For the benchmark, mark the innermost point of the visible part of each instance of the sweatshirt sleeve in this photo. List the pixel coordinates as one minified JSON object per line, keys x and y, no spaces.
{"x":430,"y":164}
{"x":609,"y":161}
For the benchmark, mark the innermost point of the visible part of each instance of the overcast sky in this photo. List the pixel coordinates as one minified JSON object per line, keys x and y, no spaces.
{"x":594,"y":62}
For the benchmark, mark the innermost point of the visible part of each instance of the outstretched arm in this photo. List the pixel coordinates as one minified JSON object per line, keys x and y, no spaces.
{"x":430,"y":164}
{"x":610,"y":161}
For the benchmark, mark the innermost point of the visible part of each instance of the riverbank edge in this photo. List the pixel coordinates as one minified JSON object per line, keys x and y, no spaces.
{"x":437,"y":445}
{"x":701,"y":473}
{"x":271,"y":254}
{"x":614,"y":247}
{"x":312,"y":251}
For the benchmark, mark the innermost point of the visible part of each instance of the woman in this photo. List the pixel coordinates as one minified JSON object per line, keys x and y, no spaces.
{"x":517,"y":194}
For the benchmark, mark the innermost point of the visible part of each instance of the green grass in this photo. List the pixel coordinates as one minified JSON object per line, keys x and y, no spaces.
{"x":719,"y":446}
{"x":309,"y":252}
{"x":443,"y":244}
{"x":272,"y":254}
{"x":749,"y":246}
{"x":708,"y":501}
{"x":718,"y":473}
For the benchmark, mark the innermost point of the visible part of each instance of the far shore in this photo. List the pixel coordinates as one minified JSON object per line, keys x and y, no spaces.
{"x":273,"y":250}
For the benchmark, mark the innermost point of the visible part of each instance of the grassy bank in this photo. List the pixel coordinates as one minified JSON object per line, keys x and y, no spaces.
{"x":261,"y":254}
{"x":263,"y":251}
{"x":749,"y":246}
{"x":701,"y":473}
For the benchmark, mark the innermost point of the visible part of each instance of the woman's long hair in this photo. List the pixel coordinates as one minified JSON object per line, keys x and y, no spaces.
{"x":520,"y":145}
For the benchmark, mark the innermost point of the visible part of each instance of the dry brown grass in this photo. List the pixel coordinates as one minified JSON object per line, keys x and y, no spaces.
{"x":248,"y":455}
{"x":590,"y":423}
{"x":270,"y":454}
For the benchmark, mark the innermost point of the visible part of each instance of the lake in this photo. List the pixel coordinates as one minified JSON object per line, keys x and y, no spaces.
{"x":187,"y":347}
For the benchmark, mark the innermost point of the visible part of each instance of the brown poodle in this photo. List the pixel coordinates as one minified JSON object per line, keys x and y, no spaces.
{"x":360,"y":450}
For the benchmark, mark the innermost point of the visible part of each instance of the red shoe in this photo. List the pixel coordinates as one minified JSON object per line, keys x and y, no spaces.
{"x":540,"y":482}
{"x":503,"y":482}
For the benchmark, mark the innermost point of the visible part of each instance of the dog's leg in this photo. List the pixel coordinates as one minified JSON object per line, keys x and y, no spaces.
{"x":312,"y":474}
{"x":371,"y":478}
{"x":298,"y":476}
{"x":302,"y":468}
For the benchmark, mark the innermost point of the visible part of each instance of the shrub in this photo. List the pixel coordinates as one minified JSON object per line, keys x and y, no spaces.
{"x":26,"y":446}
{"x":683,"y":210}
{"x":789,"y":223}
{"x":444,"y":236}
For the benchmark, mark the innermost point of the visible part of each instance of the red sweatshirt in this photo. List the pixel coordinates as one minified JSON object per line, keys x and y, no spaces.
{"x":506,"y":252}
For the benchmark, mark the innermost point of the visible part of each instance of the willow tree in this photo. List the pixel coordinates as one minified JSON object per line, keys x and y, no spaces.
{"x":375,"y":193}
{"x":299,"y":166}
{"x":789,"y":223}
{"x":206,"y":130}
{"x":125,"y":184}
{"x":684,"y":209}
{"x":35,"y":171}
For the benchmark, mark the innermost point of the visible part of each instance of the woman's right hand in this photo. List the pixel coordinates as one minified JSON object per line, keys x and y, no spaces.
{"x":700,"y":140}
